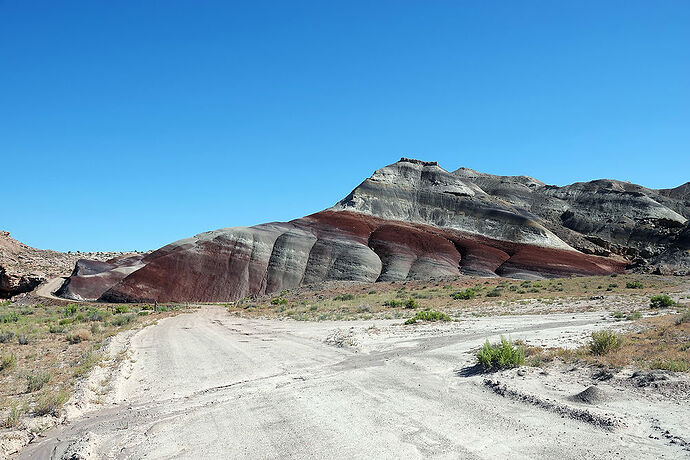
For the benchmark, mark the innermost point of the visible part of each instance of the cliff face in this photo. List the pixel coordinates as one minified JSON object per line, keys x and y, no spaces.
{"x":414,"y":220}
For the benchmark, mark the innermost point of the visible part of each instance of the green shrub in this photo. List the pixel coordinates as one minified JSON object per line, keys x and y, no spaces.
{"x":501,"y":355}
{"x":118,"y":309}
{"x":634,"y":285}
{"x":466,"y":294}
{"x":411,"y":303}
{"x":71,"y":309}
{"x":393,"y":303}
{"x":633,"y":315}
{"x":121,"y":320}
{"x":675,"y":365}
{"x":56,"y":329}
{"x":497,"y":293}
{"x":6,"y":336}
{"x":7,"y":362}
{"x":279,"y":301}
{"x":51,"y":403}
{"x":344,"y":297}
{"x":95,"y":314}
{"x":428,"y":315}
{"x":35,"y":382}
{"x":661,"y":301}
{"x":618,"y":315}
{"x":11,"y":317}
{"x":13,"y":417}
{"x":23,"y":339}
{"x":604,"y":342}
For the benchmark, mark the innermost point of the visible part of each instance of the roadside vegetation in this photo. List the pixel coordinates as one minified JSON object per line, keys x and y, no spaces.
{"x":502,"y":355}
{"x":460,"y":296}
{"x":45,"y":349}
{"x":661,"y":342}
{"x":428,"y":315}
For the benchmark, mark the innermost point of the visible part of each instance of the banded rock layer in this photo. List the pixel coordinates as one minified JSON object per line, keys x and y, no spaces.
{"x":412,"y":220}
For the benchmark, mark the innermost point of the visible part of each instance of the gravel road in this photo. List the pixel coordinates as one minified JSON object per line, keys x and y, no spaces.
{"x":212,"y":385}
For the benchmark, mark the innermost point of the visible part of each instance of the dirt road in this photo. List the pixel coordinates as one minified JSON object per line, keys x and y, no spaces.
{"x":211,"y":385}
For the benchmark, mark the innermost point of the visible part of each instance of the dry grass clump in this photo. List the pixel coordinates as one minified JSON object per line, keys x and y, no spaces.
{"x":664,"y":343}
{"x":80,"y":335}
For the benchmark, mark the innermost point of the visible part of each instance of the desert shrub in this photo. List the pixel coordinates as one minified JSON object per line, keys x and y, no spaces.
{"x":684,"y":318}
{"x":56,"y":329}
{"x":618,"y":315}
{"x":279,"y":301}
{"x":71,"y":309}
{"x":344,"y":297}
{"x":23,"y":339}
{"x":95,"y":314}
{"x":372,"y":292}
{"x":501,"y":355}
{"x":411,"y":303}
{"x":634,"y":285}
{"x":11,"y":317}
{"x":7,"y":362}
{"x":466,"y":294}
{"x":669,"y":364}
{"x":13,"y":416}
{"x":35,"y":382}
{"x":143,"y":313}
{"x":428,"y":315}
{"x":497,"y":293}
{"x":118,"y":309}
{"x":121,"y":320}
{"x":604,"y":342}
{"x":80,"y":335}
{"x":661,"y":301}
{"x":6,"y":336}
{"x":51,"y":403}
{"x":633,"y":315}
{"x":393,"y":303}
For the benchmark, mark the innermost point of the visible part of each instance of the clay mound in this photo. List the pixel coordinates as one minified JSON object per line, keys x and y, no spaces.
{"x":591,"y":395}
{"x":414,"y":220}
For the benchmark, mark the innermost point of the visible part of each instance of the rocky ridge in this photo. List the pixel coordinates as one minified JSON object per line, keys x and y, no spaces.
{"x":414,"y":220}
{"x":23,"y":268}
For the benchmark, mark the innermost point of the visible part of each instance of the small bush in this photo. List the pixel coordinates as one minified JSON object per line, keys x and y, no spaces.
{"x":604,"y":342}
{"x":6,"y":336}
{"x":51,"y":403}
{"x":13,"y":417}
{"x":118,"y":309}
{"x":428,"y":315}
{"x":675,"y":365}
{"x":121,"y":320}
{"x":633,"y":315}
{"x":12,"y":317}
{"x":279,"y":301}
{"x":684,"y":318}
{"x":80,"y":335}
{"x":23,"y":339}
{"x":95,"y":314}
{"x":7,"y":362}
{"x":56,"y":329}
{"x":393,"y":303}
{"x":634,"y":285}
{"x":344,"y":297}
{"x":466,"y":294}
{"x":501,"y":355}
{"x":661,"y":301}
{"x":618,"y":315}
{"x":411,"y":303}
{"x":497,"y":293}
{"x":35,"y":382}
{"x":71,"y":310}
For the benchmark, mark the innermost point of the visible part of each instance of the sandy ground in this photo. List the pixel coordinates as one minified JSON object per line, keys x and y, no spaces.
{"x":212,"y":385}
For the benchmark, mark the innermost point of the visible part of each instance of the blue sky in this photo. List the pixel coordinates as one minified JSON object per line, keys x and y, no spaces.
{"x":128,"y":125}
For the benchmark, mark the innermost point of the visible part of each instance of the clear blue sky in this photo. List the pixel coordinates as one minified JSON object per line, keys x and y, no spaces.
{"x":128,"y":125}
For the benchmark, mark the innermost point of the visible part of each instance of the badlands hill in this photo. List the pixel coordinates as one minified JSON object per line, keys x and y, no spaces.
{"x":414,"y":220}
{"x":22,"y":267}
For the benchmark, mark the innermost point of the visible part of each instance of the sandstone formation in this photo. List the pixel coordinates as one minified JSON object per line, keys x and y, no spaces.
{"x":22,"y":267}
{"x":414,"y":220}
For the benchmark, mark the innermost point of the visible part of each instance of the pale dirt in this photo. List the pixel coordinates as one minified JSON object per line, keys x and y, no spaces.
{"x":212,"y":385}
